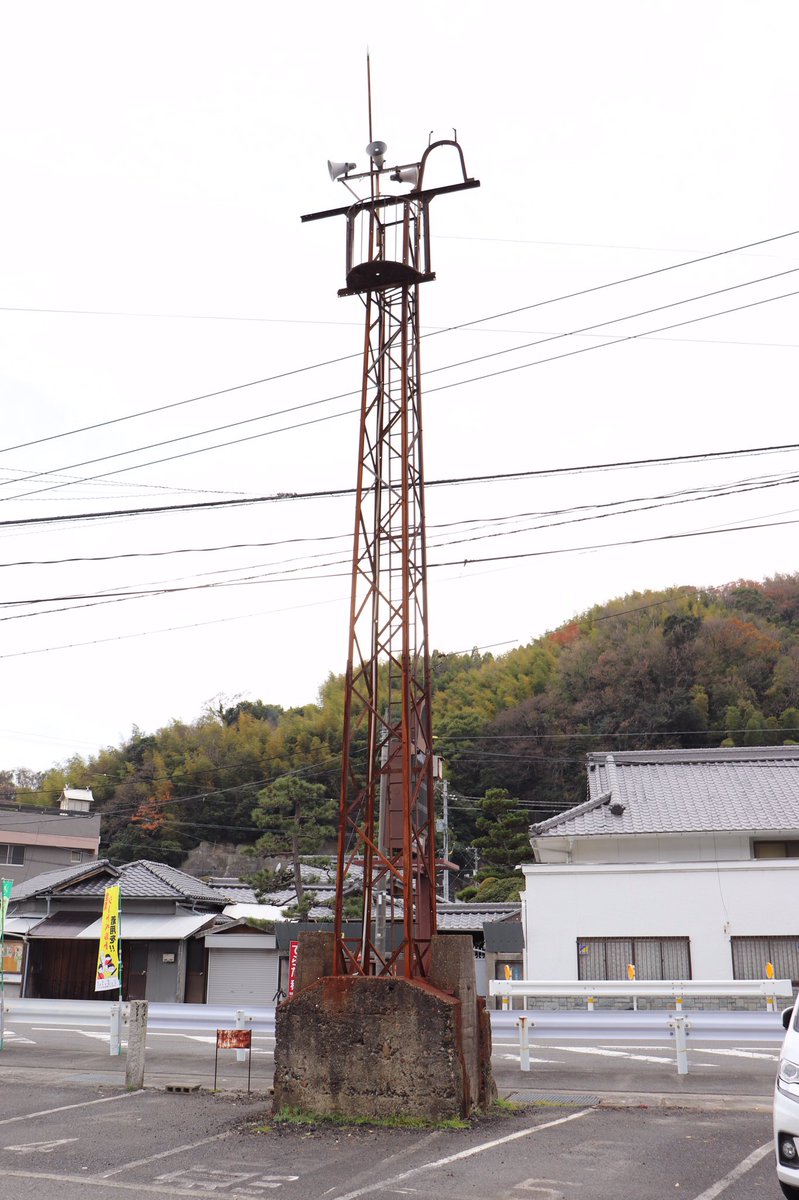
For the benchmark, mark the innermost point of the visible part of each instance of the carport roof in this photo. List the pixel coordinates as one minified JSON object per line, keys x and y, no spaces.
{"x":151,"y":927}
{"x":63,"y":925}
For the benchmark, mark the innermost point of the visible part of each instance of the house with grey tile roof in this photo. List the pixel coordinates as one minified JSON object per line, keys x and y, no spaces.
{"x":162,"y":912}
{"x":681,"y":863}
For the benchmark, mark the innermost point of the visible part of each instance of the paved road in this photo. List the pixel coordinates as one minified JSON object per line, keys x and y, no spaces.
{"x":597,"y":1067}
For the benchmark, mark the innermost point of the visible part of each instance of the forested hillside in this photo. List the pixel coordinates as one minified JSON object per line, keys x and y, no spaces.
{"x":684,"y":667}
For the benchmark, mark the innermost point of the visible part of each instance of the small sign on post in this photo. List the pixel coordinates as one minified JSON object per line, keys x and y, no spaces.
{"x":293,"y":948}
{"x":234,"y":1039}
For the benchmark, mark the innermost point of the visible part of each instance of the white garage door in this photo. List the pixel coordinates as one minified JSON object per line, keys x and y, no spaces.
{"x":242,"y":976}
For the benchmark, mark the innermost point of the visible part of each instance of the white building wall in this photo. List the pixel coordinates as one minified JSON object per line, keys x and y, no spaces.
{"x":707,"y":902}
{"x":645,"y":848}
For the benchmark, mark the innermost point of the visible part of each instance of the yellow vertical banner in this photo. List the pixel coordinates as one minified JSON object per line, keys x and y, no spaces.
{"x":108,"y":966}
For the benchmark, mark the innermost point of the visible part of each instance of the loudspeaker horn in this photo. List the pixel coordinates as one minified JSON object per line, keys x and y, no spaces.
{"x":338,"y":169}
{"x":377,"y":153}
{"x":406,"y":175}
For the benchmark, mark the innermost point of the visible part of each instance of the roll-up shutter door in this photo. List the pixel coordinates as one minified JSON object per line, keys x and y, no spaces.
{"x":242,"y":976}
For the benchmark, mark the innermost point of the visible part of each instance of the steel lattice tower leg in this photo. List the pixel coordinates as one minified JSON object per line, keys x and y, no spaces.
{"x":387,"y":825}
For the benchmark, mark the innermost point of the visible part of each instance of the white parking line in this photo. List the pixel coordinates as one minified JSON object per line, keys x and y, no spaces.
{"x":738,"y":1053}
{"x":141,"y":1162}
{"x":517,"y":1058}
{"x":745,"y":1165}
{"x":596,"y":1050}
{"x":46,"y":1112}
{"x":385,"y":1184}
{"x":63,"y":1029}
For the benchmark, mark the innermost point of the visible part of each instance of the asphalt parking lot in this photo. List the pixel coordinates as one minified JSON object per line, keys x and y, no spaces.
{"x":74,"y":1141}
{"x":598,"y":1121}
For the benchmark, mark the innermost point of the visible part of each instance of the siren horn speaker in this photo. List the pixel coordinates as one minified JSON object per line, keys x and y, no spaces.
{"x":377,"y":153}
{"x":406,"y":175}
{"x":337,"y":169}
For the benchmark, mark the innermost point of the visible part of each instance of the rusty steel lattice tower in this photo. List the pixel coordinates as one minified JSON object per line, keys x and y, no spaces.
{"x":387,"y":820}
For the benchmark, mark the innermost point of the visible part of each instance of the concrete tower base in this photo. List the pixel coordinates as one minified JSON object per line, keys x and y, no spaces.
{"x":355,"y":1046}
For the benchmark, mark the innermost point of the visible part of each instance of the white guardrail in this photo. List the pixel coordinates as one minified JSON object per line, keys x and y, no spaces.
{"x":676,"y":1024}
{"x":674,"y":989}
{"x":114,"y":1016}
{"x":572,"y":1023}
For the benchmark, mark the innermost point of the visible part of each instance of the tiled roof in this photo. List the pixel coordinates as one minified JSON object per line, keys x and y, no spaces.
{"x":51,"y":881}
{"x":235,"y":893}
{"x":470,"y":918}
{"x":736,"y":790}
{"x":142,"y":879}
{"x":183,"y":884}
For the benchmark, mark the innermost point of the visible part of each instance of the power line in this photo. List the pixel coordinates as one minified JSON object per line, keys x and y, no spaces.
{"x":236,"y":387}
{"x":631,"y":337}
{"x":635,"y":733}
{"x":683,"y":496}
{"x":95,"y":599}
{"x":664,"y":537}
{"x":554,"y":337}
{"x":344,"y":395}
{"x":336,"y":493}
{"x":627,"y":279}
{"x":347,"y":357}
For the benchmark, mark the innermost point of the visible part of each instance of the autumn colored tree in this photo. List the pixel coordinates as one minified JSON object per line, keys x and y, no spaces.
{"x":676,"y":668}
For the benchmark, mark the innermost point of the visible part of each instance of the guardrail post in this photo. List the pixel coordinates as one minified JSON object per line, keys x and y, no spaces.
{"x":524,"y":1044}
{"x":678,"y":1029}
{"x":137,"y":1037}
{"x":115,"y":1028}
{"x":241,"y":1021}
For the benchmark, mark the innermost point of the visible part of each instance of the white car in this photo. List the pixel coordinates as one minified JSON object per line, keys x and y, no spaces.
{"x":786,"y":1106}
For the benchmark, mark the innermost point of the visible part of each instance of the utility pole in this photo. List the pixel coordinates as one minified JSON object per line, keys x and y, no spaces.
{"x":387,"y":732}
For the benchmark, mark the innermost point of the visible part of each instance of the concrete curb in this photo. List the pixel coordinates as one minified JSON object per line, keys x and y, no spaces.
{"x":696,"y":1101}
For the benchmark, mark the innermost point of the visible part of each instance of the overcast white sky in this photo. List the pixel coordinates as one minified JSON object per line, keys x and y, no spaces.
{"x":156,"y":160}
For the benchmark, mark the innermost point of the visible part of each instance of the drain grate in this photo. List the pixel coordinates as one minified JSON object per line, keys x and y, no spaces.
{"x":564,"y":1099}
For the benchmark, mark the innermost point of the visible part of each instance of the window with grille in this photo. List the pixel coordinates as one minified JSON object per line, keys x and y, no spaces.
{"x":11,"y":855}
{"x":653,"y":958}
{"x":750,"y":955}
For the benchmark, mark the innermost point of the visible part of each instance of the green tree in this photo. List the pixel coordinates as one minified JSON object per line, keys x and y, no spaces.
{"x":503,"y":843}
{"x":297,"y":817}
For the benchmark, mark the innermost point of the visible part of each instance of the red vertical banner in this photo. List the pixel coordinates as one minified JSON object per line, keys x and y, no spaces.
{"x":293,"y":946}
